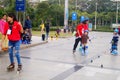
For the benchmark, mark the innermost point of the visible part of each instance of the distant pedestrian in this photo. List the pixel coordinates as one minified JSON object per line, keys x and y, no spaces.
{"x":2,"y":23}
{"x":119,"y":30}
{"x":80,"y":28}
{"x":28,"y":25}
{"x":47,"y":29}
{"x":26,"y":37}
{"x":13,"y":30}
{"x":4,"y":44}
{"x":58,"y":31}
{"x":42,"y":27}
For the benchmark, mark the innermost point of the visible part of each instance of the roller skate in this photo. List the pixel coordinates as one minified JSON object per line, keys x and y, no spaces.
{"x":74,"y":51}
{"x":19,"y":68}
{"x":11,"y":67}
{"x":114,"y":50}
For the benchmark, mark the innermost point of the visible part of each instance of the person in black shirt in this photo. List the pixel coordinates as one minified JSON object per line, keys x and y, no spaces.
{"x":47,"y":29}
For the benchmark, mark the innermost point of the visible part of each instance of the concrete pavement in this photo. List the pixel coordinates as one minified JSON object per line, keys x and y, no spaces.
{"x":55,"y":61}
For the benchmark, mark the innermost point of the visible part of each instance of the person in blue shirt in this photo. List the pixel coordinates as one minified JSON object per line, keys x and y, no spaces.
{"x":28,"y":25}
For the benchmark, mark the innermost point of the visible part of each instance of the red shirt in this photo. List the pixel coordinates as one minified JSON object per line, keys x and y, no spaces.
{"x":15,"y":34}
{"x":2,"y":25}
{"x":86,"y":27}
{"x":80,"y":29}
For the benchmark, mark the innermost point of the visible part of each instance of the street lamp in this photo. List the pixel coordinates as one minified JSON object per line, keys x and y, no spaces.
{"x":95,"y":15}
{"x":59,"y":2}
{"x":117,"y":13}
{"x":76,"y":4}
{"x":66,"y":14}
{"x":116,"y":10}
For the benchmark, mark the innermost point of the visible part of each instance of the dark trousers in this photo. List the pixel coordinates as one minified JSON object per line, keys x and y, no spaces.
{"x":114,"y":47}
{"x":76,"y":43}
{"x":30,"y":33}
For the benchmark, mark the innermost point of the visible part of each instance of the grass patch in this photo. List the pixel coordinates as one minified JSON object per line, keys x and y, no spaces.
{"x":52,"y":33}
{"x":103,"y":29}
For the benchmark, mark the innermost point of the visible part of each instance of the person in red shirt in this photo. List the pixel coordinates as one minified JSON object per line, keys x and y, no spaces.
{"x":2,"y":25}
{"x":80,"y":28}
{"x":119,"y":30}
{"x":13,"y":30}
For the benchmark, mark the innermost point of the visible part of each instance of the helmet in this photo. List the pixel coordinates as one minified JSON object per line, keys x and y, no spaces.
{"x":86,"y":19}
{"x":86,"y":31}
{"x":116,"y":30}
{"x":83,"y":18}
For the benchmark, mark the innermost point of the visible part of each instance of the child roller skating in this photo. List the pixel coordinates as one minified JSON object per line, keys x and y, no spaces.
{"x":114,"y":43}
{"x":26,"y":37}
{"x":84,"y":48}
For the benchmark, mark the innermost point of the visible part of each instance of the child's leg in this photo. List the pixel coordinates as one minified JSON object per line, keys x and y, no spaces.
{"x":114,"y":47}
{"x":86,"y":49}
{"x":84,"y":46}
{"x":83,"y":49}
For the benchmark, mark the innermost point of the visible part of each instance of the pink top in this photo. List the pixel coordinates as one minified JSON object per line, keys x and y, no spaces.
{"x":2,"y":25}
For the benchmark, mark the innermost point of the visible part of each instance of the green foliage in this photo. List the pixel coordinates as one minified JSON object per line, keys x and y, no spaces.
{"x":53,"y":10}
{"x":54,"y":28}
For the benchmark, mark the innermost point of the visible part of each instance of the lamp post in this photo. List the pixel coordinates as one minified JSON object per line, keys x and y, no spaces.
{"x":95,"y":15}
{"x":76,"y":4}
{"x":59,"y":2}
{"x":116,"y":10}
{"x":66,"y":14}
{"x":117,"y":13}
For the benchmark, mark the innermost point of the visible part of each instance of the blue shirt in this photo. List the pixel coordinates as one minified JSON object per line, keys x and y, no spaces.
{"x":28,"y":24}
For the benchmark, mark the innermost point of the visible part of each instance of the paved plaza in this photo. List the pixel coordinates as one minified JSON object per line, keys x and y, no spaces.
{"x":54,"y":61}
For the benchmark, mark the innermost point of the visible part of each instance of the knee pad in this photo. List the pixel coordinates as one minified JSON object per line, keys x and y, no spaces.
{"x":86,"y":47}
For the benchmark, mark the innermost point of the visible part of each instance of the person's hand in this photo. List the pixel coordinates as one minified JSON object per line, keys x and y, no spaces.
{"x":90,"y":40}
{"x":79,"y":36}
